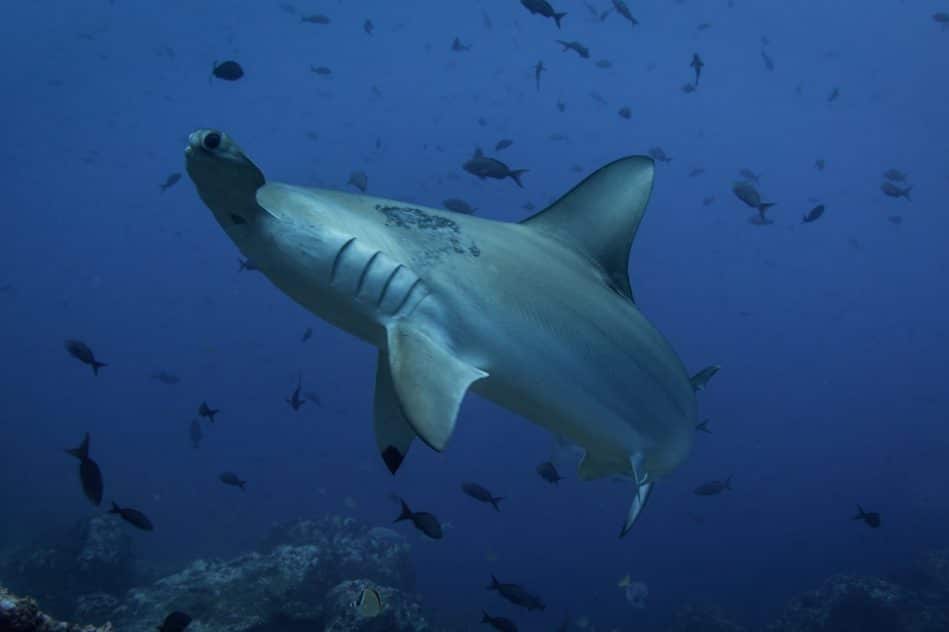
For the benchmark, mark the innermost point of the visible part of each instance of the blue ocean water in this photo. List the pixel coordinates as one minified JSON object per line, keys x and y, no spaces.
{"x":831,"y":335}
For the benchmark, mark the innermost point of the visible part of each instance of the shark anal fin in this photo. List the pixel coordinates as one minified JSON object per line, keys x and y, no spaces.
{"x":429,"y":381}
{"x":393,"y":433}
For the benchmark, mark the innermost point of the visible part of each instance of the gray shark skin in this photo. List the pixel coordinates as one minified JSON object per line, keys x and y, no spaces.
{"x":538,"y":316}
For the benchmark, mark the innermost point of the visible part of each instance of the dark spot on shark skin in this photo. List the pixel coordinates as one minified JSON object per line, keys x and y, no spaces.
{"x":413,"y":218}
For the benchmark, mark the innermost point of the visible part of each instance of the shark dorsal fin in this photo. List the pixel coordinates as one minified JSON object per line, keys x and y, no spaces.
{"x":599,"y":217}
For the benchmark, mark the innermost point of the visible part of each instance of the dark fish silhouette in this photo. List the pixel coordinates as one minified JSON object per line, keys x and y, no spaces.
{"x":307,"y":334}
{"x":323,"y":71}
{"x":206,"y":411}
{"x":133,"y":516}
{"x":458,"y":47}
{"x":768,"y":62}
{"x":484,"y":167}
{"x":480,"y":493}
{"x":196,"y":433}
{"x":549,"y":472}
{"x":891,"y":190}
{"x":624,"y":11}
{"x":232,"y":479}
{"x":82,"y":352}
{"x":459,"y":206}
{"x":625,"y":112}
{"x":872,"y":518}
{"x":175,"y":622}
{"x":814,"y":214}
{"x":713,"y":488}
{"x":368,"y":26}
{"x":316,"y":18}
{"x":539,"y":68}
{"x":294,"y":399}
{"x":517,"y":595}
{"x":498,"y":623}
{"x":504,"y":143}
{"x":170,"y":181}
{"x":702,"y":426}
{"x":227,"y":70}
{"x":166,"y":378}
{"x":697,"y":64}
{"x":423,"y":521}
{"x":747,"y":193}
{"x":576,"y":46}
{"x":89,"y":473}
{"x":659,"y":154}
{"x":543,"y":8}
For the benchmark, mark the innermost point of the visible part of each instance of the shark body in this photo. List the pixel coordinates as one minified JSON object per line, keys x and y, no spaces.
{"x":538,"y":316}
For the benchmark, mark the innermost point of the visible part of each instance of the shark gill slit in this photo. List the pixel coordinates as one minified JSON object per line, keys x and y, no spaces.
{"x":364,"y":274}
{"x":408,"y":294}
{"x":338,"y":258}
{"x":385,"y":288}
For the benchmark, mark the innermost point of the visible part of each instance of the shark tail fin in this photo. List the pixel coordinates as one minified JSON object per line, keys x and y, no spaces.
{"x":599,"y":217}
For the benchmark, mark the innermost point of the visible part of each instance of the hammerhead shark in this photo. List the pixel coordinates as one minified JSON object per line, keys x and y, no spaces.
{"x":536,"y":316}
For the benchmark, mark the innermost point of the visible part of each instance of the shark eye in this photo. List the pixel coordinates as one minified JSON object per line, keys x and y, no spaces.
{"x":211,"y":141}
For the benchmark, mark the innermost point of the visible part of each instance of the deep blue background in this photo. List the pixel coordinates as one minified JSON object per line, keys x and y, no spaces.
{"x":831,"y":336}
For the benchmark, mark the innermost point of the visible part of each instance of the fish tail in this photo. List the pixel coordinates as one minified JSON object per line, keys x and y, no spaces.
{"x":241,"y":484}
{"x":558,"y":17}
{"x":764,"y":206}
{"x":860,"y":513}
{"x":96,"y":366}
{"x":517,"y":173}
{"x":494,"y":583}
{"x":406,"y":512}
{"x":495,"y":501}
{"x":115,"y":509}
{"x":82,"y":452}
{"x":906,"y":193}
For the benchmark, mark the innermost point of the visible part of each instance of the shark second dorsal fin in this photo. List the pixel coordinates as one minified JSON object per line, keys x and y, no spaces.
{"x":429,"y":381}
{"x":599,"y":217}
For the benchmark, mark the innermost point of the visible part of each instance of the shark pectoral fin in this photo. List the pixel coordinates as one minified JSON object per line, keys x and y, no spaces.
{"x":600,"y":216}
{"x":430,"y":382}
{"x":591,"y":467}
{"x":639,"y":501}
{"x":393,"y":433}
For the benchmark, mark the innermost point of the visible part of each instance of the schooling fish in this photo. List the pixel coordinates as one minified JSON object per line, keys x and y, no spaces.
{"x":82,"y":352}
{"x":517,"y":595}
{"x":872,"y":518}
{"x":232,"y":479}
{"x":548,"y":472}
{"x":498,"y":623}
{"x":480,"y":493}
{"x":227,"y":70}
{"x":89,"y":473}
{"x":206,"y":411}
{"x":133,"y":516}
{"x":814,"y":214}
{"x":423,"y":521}
{"x":713,"y":488}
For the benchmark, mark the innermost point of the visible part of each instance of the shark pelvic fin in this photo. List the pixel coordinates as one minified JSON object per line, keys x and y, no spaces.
{"x":600,"y":216}
{"x":393,"y":433}
{"x":430,"y":382}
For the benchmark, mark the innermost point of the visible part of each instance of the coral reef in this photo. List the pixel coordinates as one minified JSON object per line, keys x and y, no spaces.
{"x":96,"y":556}
{"x":21,"y":614}
{"x":306,"y":575}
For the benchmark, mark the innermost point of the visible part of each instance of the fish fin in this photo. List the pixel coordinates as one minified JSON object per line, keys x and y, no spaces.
{"x":430,"y":382}
{"x":494,"y":502}
{"x":96,"y":365}
{"x":516,"y":176}
{"x":558,"y":17}
{"x":591,"y":467}
{"x":393,"y":433}
{"x":82,"y":452}
{"x":115,"y":508}
{"x":494,"y":583}
{"x":600,"y":216}
{"x":405,"y":514}
{"x":643,"y":492}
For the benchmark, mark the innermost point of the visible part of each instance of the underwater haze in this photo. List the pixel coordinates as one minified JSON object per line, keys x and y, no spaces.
{"x":825,"y":312}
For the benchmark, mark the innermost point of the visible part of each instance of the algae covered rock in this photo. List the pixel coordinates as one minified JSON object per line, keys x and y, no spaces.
{"x":21,"y":614}
{"x":304,"y":575}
